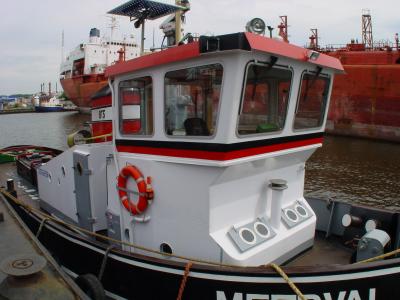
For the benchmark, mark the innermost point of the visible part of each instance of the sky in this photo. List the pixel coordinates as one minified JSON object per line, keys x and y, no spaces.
{"x":30,"y":31}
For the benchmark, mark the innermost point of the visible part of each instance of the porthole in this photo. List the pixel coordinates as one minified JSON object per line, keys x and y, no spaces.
{"x":165,"y":248}
{"x":261,"y":229}
{"x":291,"y":215}
{"x":127,"y":234}
{"x":301,"y":211}
{"x":247,"y":236}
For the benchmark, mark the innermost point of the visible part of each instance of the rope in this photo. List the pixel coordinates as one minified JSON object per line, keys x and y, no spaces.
{"x":288,"y":281}
{"x":379,"y":257}
{"x":98,"y":137}
{"x":41,"y":227}
{"x":184,"y":280}
{"x":104,"y":262}
{"x":42,"y":215}
{"x":105,"y":238}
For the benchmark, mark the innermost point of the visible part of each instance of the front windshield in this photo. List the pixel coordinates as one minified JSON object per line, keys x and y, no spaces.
{"x":265,"y":99}
{"x":192,"y":100}
{"x":311,"y":106}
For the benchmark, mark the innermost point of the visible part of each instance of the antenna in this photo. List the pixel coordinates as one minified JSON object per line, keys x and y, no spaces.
{"x":367,"y":37}
{"x":62,"y":46}
{"x":113,"y":25}
{"x":153,"y":38}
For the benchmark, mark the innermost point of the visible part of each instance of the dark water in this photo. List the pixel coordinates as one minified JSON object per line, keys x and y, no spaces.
{"x":354,"y":170}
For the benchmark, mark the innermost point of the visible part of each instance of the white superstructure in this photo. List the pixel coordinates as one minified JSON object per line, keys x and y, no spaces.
{"x":94,"y":56}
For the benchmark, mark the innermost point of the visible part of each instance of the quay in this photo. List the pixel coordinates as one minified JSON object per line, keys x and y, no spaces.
{"x":16,"y":111}
{"x":35,"y":274}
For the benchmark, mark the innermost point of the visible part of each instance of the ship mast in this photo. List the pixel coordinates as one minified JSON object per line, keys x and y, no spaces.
{"x":283,"y":29}
{"x":62,"y":46}
{"x":367,"y":37}
{"x":178,"y":23}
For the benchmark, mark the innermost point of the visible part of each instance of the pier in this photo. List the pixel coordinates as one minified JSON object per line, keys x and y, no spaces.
{"x":35,"y":274}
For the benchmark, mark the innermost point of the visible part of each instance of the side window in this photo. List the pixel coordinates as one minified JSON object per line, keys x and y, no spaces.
{"x":192,"y":100}
{"x":265,"y":99}
{"x":311,"y":105}
{"x":136,"y":106}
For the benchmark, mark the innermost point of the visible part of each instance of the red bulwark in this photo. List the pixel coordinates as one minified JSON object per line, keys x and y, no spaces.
{"x":155,"y":59}
{"x":272,"y":46}
{"x":104,"y":101}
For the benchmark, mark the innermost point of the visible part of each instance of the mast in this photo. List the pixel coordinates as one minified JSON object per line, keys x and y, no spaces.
{"x":367,"y":38}
{"x":178,"y":23}
{"x":62,"y":46}
{"x":314,"y":39}
{"x":283,"y":29}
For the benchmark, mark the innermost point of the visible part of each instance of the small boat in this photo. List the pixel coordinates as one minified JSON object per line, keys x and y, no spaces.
{"x":51,"y":105}
{"x":200,"y":193}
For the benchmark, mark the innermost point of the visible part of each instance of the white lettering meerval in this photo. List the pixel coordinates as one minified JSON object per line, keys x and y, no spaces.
{"x":343,"y":295}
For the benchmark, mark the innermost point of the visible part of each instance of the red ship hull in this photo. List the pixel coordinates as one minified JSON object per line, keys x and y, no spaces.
{"x":365,"y":101}
{"x":80,"y":89}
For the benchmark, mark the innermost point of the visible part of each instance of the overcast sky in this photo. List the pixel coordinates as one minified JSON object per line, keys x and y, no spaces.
{"x":30,"y":34}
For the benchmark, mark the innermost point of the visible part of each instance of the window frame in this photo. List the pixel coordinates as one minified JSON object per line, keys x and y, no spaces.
{"x":265,"y":64}
{"x":185,"y":67}
{"x":120,"y":108}
{"x":312,"y":72}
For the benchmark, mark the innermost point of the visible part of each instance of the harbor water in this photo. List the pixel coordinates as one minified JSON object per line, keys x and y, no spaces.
{"x":348,"y":169}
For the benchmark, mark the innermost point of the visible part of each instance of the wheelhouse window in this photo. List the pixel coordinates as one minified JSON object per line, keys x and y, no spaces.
{"x":192,"y":100}
{"x":136,"y":106}
{"x":311,"y":105}
{"x":265,"y":99}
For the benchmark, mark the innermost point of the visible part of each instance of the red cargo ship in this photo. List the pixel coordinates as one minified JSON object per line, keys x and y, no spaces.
{"x":365,"y":100}
{"x":82,"y":72}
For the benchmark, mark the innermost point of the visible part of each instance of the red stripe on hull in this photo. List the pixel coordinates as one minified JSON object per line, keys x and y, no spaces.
{"x":219,"y":156}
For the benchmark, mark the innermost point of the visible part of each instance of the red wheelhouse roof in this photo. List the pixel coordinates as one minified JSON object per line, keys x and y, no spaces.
{"x":242,"y":41}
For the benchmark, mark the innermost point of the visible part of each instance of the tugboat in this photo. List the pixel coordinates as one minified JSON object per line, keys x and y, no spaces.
{"x":200,"y":193}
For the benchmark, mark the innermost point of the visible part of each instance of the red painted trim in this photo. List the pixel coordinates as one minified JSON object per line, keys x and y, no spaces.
{"x":101,"y":102}
{"x":272,"y":46}
{"x":221,"y":156}
{"x":170,"y":55}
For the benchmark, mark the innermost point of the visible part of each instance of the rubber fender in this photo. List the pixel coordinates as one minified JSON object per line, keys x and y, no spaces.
{"x":78,"y":138}
{"x":91,"y":286}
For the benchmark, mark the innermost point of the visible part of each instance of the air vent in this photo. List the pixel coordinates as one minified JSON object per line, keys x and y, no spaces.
{"x":295,"y":214}
{"x":251,"y":234}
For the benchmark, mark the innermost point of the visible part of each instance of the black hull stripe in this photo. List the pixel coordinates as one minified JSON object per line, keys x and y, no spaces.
{"x":216,"y":147}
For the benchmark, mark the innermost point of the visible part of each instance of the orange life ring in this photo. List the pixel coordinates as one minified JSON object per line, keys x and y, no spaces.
{"x":144,"y":188}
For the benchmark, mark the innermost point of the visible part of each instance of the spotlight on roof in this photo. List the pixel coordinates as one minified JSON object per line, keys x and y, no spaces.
{"x":256,"y":26}
{"x":313,"y":55}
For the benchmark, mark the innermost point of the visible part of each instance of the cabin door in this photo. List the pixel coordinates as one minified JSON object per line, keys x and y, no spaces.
{"x":82,"y":189}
